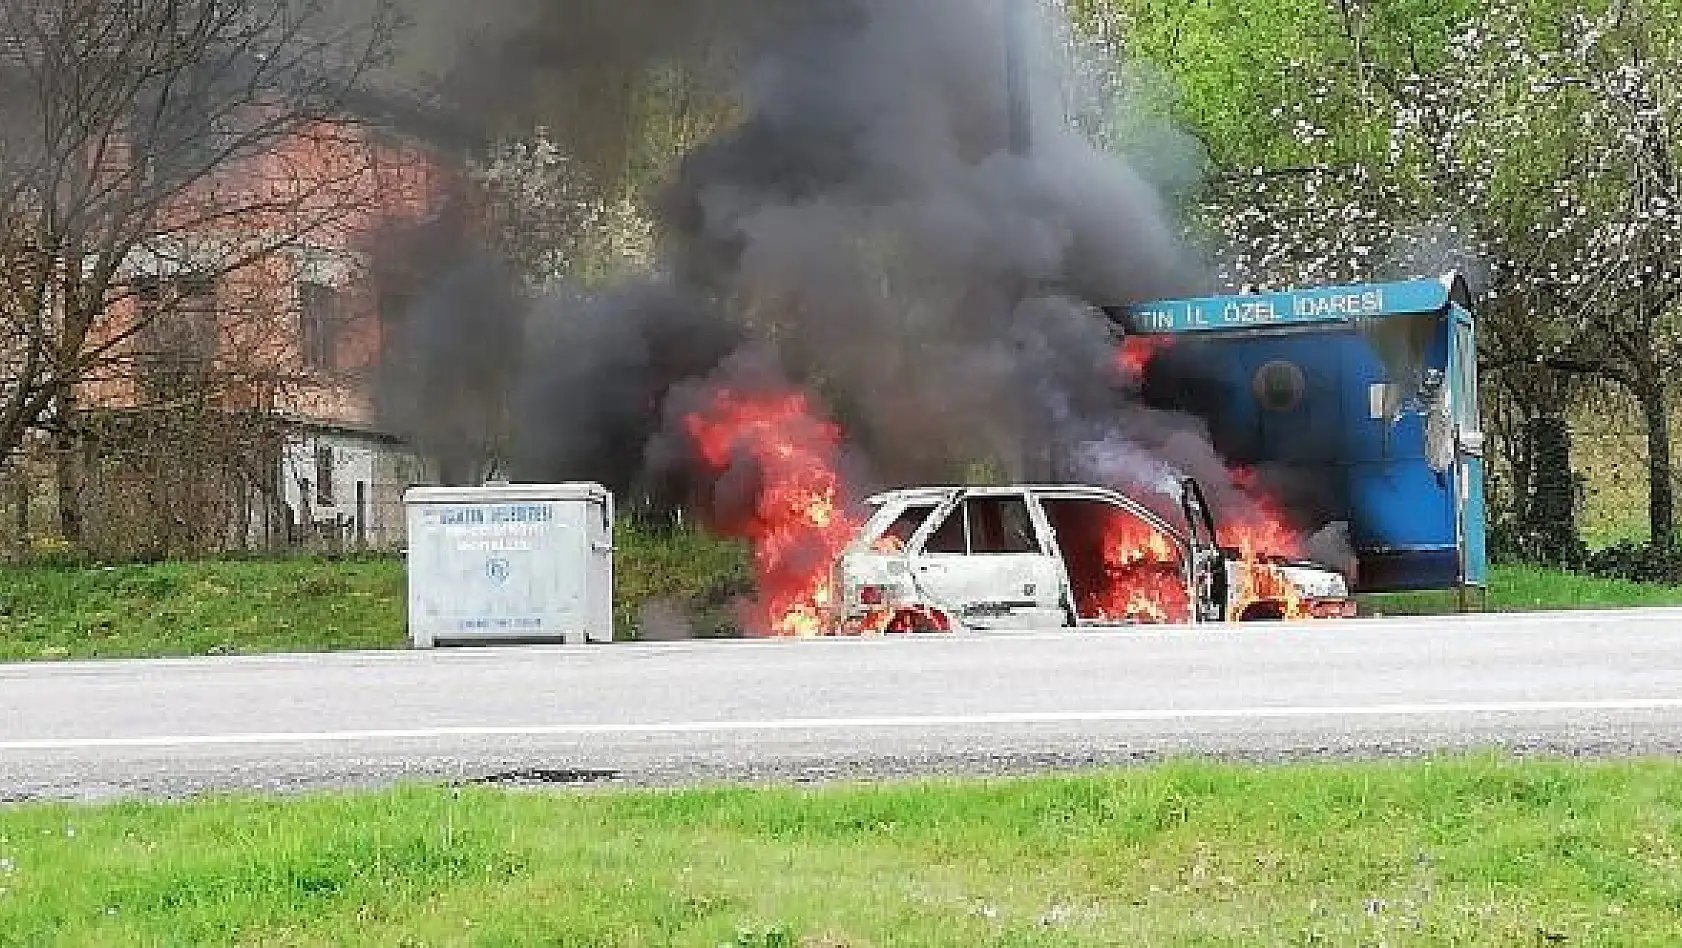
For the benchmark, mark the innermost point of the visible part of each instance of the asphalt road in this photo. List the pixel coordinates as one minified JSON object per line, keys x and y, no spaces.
{"x":700,"y":712}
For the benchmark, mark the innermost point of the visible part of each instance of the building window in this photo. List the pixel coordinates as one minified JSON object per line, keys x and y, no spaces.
{"x":177,"y":317}
{"x":393,"y":311}
{"x":177,"y":333}
{"x":1466,"y":366}
{"x":320,"y":313}
{"x":148,"y":303}
{"x":324,"y":476}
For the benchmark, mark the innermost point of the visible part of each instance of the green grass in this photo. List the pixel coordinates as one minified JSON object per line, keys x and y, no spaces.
{"x":200,"y":608}
{"x":1469,"y":851}
{"x":257,"y":607}
{"x":306,"y":605}
{"x":1530,"y":589}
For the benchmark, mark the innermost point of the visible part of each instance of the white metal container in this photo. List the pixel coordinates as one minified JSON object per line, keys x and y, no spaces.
{"x":510,"y":564}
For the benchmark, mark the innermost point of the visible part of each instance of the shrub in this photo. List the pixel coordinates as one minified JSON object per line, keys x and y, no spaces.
{"x":1637,"y":562}
{"x":1511,"y":542}
{"x":692,"y":577}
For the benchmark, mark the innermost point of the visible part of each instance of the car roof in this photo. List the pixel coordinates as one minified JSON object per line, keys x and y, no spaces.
{"x":939,"y":493}
{"x":910,"y":493}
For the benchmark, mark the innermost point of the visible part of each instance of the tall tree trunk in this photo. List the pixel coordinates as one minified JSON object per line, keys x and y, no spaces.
{"x":1550,"y":504}
{"x":20,"y":500}
{"x":67,"y":473}
{"x":1661,"y":488}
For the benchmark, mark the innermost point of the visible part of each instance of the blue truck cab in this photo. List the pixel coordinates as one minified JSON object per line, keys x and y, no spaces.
{"x":1371,"y":391}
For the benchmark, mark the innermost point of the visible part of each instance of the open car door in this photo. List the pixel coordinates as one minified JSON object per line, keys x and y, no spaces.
{"x":1125,"y":564}
{"x":1209,"y":572}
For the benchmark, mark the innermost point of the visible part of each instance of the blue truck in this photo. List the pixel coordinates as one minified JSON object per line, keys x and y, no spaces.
{"x":1372,"y":390}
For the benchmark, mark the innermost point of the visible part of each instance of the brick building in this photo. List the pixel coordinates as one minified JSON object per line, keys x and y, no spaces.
{"x":243,"y":401}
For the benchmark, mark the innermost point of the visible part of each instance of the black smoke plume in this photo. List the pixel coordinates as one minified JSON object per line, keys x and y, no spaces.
{"x":868,"y":220}
{"x":452,"y":325}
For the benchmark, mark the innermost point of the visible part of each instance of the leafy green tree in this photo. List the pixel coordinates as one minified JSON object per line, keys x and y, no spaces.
{"x":1525,"y":141}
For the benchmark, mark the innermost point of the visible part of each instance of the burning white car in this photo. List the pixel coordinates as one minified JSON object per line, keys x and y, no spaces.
{"x":946,"y":559}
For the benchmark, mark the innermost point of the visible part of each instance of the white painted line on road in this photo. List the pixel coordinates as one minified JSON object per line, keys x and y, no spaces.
{"x":847,"y":724}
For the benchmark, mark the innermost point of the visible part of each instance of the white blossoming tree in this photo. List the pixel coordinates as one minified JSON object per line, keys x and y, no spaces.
{"x":548,"y":216}
{"x":1527,"y":142}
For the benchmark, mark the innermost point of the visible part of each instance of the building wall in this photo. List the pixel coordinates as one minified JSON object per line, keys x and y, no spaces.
{"x":367,"y":475}
{"x":313,"y":206}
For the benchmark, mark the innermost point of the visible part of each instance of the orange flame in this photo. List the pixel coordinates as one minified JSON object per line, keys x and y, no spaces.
{"x":899,"y":620}
{"x":1143,"y":577}
{"x":1261,"y":531}
{"x":1262,"y":535}
{"x":799,"y":524}
{"x":1135,"y":354}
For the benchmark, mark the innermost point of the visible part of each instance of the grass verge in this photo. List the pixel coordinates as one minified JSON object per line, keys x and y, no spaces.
{"x":174,"y":609}
{"x":256,"y":607}
{"x":242,"y":607}
{"x":1532,"y":589}
{"x":1466,"y":851}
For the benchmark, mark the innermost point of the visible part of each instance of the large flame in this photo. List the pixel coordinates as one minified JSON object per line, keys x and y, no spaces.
{"x":798,"y":521}
{"x":1259,"y":530}
{"x":1144,"y":579}
{"x":1258,"y":533}
{"x":1262,"y":535}
{"x":1143,"y":574}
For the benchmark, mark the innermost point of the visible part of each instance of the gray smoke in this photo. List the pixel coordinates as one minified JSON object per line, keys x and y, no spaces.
{"x":868,"y":215}
{"x":602,"y":367}
{"x":662,"y":620}
{"x":866,"y":220}
{"x":452,"y":322}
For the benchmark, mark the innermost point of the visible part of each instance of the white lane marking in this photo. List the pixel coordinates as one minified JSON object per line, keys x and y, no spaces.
{"x":847,"y":724}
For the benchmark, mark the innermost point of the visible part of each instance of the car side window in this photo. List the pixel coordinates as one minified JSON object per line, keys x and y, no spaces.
{"x":1001,"y":526}
{"x":897,"y":535}
{"x":949,"y":539}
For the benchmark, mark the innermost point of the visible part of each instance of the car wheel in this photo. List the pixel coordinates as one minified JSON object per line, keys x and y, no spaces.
{"x":919,"y":622}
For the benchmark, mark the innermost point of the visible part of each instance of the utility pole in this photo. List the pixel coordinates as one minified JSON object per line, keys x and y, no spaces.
{"x":1019,"y":116}
{"x":1039,"y":450}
